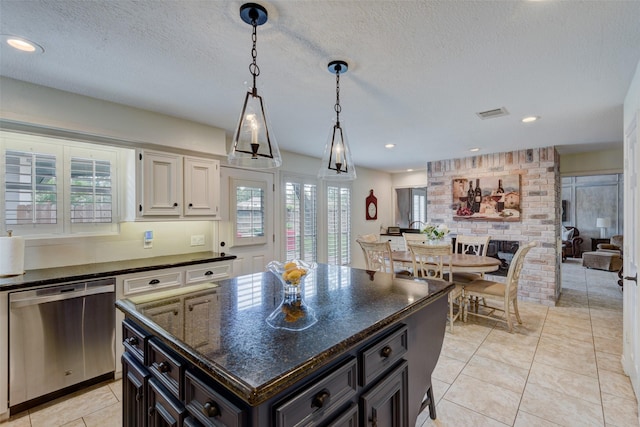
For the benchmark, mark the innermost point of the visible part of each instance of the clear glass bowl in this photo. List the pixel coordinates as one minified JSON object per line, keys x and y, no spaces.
{"x":293,"y":313}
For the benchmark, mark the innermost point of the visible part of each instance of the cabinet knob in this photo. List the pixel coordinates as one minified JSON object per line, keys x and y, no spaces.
{"x":164,"y":367}
{"x":151,"y":410}
{"x":210,"y":409}
{"x":190,"y":205}
{"x":132,"y":340}
{"x":386,"y":351}
{"x":175,"y":205}
{"x":320,"y":398}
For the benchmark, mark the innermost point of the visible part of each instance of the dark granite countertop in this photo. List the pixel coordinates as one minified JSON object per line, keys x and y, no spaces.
{"x":256,"y":361}
{"x":47,"y":276}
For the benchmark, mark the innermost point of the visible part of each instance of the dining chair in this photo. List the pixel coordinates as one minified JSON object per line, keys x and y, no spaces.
{"x":472,"y":245}
{"x":429,"y":262}
{"x":414,"y":238}
{"x":507,"y":292}
{"x":377,"y":256}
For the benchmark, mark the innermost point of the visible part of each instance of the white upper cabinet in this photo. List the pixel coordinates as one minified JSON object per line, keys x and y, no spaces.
{"x":175,"y":186}
{"x":201,"y":187}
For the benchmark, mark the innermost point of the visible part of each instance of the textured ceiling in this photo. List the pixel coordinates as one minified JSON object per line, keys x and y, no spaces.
{"x":418,"y":70}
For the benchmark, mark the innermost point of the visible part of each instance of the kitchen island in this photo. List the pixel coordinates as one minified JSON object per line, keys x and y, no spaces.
{"x":206,"y":355}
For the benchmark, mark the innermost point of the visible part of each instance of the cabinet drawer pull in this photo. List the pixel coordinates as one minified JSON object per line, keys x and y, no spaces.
{"x":210,"y":409}
{"x":132,"y":341}
{"x":154,"y":282}
{"x":386,"y":351}
{"x":138,"y":396}
{"x":208,"y":273}
{"x":164,"y":367}
{"x":320,"y":398}
{"x":151,"y":411}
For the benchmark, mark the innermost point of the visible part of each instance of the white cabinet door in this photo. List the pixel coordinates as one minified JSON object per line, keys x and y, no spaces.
{"x":161,"y":184}
{"x":201,"y":186}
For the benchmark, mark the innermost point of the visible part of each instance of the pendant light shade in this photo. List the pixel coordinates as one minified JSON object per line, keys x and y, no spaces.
{"x":253,"y":145}
{"x":336,"y":161}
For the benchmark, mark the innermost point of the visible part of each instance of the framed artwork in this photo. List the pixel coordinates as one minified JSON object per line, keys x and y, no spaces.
{"x":489,"y":198}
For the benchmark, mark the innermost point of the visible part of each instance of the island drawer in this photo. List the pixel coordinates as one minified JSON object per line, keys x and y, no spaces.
{"x":164,"y":409}
{"x":167,"y":367}
{"x":153,"y":281}
{"x":316,"y":403}
{"x":135,"y":340}
{"x":382,"y":355}
{"x":218,"y":271}
{"x":208,"y":406}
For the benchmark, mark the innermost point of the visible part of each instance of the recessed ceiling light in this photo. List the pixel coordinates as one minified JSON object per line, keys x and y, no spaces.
{"x":530,"y":119}
{"x":474,"y":149}
{"x":22,"y":44}
{"x":389,"y":145}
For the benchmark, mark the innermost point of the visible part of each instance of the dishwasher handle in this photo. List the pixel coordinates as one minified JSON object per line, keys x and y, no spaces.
{"x":62,"y":295}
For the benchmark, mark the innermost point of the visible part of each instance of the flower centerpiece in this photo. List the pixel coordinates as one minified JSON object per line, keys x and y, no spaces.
{"x":293,"y":313}
{"x":435,"y":232}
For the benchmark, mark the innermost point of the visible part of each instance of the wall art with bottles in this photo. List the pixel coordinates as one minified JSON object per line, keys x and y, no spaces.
{"x":488,"y":198}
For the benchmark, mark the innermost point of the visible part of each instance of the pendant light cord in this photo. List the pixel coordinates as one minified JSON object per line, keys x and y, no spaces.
{"x":253,"y":67}
{"x":337,"y":107}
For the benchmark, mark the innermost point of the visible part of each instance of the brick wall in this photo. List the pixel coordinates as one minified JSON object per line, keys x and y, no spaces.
{"x":540,"y":205}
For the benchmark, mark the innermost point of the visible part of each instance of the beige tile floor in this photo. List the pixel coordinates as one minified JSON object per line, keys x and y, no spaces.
{"x":560,"y":368}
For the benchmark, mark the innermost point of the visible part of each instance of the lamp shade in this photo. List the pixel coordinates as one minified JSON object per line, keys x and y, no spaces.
{"x":603,"y":222}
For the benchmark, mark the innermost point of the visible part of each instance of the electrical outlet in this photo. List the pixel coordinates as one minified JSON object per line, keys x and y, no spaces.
{"x":148,"y":239}
{"x":197,"y":240}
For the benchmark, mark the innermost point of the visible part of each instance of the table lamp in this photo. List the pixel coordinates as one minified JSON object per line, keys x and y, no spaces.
{"x":603,"y":224}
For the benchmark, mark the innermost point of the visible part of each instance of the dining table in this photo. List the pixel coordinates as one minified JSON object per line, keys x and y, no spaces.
{"x":460,"y":263}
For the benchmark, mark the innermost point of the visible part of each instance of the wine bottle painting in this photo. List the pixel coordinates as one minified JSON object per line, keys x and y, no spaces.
{"x":490,"y":198}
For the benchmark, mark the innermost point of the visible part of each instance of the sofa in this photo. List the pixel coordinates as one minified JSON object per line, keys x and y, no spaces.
{"x":607,"y":257}
{"x":571,"y":243}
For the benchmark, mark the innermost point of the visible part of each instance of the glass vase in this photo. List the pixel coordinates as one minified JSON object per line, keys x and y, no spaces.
{"x":293,"y":313}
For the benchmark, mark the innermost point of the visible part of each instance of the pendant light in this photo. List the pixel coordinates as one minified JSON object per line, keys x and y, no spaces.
{"x":336,"y":161}
{"x":253,"y":145}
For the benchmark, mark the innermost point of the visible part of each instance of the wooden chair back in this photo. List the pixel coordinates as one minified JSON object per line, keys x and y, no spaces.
{"x":513,"y":275}
{"x":414,"y":238}
{"x":429,"y":261}
{"x":473,"y":245}
{"x":377,"y":256}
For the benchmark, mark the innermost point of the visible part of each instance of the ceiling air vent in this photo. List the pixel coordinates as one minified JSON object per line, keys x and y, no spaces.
{"x":491,"y":114}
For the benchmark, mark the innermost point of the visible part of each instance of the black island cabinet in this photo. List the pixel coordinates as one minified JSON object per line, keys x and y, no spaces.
{"x":205,"y":356}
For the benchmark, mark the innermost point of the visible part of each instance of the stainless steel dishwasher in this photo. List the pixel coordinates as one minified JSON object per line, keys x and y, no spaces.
{"x":60,"y":336}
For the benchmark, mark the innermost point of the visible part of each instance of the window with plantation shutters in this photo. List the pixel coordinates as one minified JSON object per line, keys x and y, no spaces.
{"x":338,"y":224}
{"x":31,"y":188}
{"x":57,"y":186}
{"x":91,"y":191}
{"x":301,"y":231}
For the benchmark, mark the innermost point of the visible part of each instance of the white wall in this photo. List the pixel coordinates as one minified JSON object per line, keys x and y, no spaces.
{"x":593,"y":162}
{"x":51,"y":108}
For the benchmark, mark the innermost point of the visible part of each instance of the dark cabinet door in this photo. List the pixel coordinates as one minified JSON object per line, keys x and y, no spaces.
{"x":164,"y":409}
{"x":134,"y":397}
{"x":385,"y":405}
